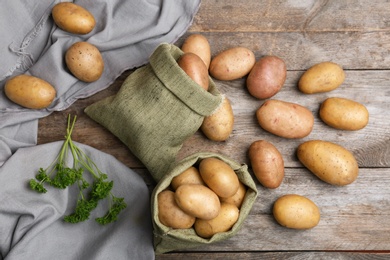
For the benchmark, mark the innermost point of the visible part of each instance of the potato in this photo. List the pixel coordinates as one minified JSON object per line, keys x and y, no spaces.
{"x":267,"y":163}
{"x":233,"y":63}
{"x":322,"y":77}
{"x":84,"y":61}
{"x":198,"y":201}
{"x":199,"y":45}
{"x":267,"y":77}
{"x":189,"y":176}
{"x":238,"y":198}
{"x":296,"y":211}
{"x":73,"y":18}
{"x":344,"y":114}
{"x":330,"y":162}
{"x":195,"y":69}
{"x":29,"y":91}
{"x":225,"y":220}
{"x":219,"y":125}
{"x":219,"y":177}
{"x":170,"y":214}
{"x":285,"y":119}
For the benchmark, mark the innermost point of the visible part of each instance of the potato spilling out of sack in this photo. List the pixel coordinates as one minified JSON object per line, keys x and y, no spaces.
{"x":199,"y":45}
{"x":195,"y":68}
{"x":29,"y":91}
{"x":219,"y":203}
{"x":73,"y":18}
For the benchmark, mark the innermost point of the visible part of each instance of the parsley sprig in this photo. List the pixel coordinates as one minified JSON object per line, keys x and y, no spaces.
{"x":61,"y":176}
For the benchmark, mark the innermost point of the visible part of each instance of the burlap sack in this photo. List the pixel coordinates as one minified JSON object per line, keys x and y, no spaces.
{"x":168,"y":239}
{"x":157,"y":108}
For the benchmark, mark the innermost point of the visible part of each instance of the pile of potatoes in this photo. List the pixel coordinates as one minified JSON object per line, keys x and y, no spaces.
{"x":206,"y":197}
{"x":265,"y":77}
{"x":83,"y":60}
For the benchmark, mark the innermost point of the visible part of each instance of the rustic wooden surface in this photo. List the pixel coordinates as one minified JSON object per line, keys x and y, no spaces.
{"x":355,"y":220}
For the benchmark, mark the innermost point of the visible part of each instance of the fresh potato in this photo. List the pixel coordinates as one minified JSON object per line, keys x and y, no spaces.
{"x":29,"y":91}
{"x":73,"y":18}
{"x":225,"y":220}
{"x":170,"y":214}
{"x":219,"y":177}
{"x":238,"y":198}
{"x":267,"y":163}
{"x":219,"y":125}
{"x":322,"y":77}
{"x":285,"y":119}
{"x":195,"y":68}
{"x":198,"y":201}
{"x":267,"y":77}
{"x":84,"y":61}
{"x":330,"y":162}
{"x":344,"y":114}
{"x":199,"y":45}
{"x":296,"y":211}
{"x":232,"y":64}
{"x":189,"y":176}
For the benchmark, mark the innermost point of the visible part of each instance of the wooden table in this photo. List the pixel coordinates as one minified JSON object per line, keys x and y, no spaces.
{"x":355,"y":219}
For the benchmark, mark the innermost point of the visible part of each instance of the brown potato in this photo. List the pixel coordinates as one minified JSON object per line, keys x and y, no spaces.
{"x":267,"y":77}
{"x":73,"y":18}
{"x":189,"y":176}
{"x":330,"y":162}
{"x":219,"y":177}
{"x":322,"y":77}
{"x":296,"y":211}
{"x":29,"y":91}
{"x":198,"y":201}
{"x":225,"y":220}
{"x":84,"y":61}
{"x":232,"y":64}
{"x":219,"y":125}
{"x":344,"y":114}
{"x":199,"y":45}
{"x":170,"y":214}
{"x":195,"y":68}
{"x":285,"y":119}
{"x":267,"y":163}
{"x":238,"y":198}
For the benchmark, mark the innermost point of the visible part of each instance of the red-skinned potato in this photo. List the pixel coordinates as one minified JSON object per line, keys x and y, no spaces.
{"x":195,"y":68}
{"x":267,"y":77}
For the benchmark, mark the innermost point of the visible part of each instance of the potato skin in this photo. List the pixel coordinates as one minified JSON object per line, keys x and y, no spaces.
{"x":330,"y":162}
{"x":199,"y":45}
{"x":170,"y":214}
{"x":322,"y":77}
{"x":233,"y":63}
{"x":219,"y":177}
{"x":225,"y":220}
{"x":84,"y":61}
{"x":29,"y":91}
{"x":73,"y":18}
{"x":344,"y":114}
{"x":285,"y":119}
{"x":267,"y":77}
{"x":219,"y":125}
{"x":195,"y":68}
{"x":267,"y":163}
{"x":296,"y":211}
{"x":238,"y":198}
{"x":189,"y":176}
{"x":198,"y":201}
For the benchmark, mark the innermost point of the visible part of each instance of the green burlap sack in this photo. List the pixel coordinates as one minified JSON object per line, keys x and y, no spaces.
{"x":168,"y":239}
{"x":156,"y":109}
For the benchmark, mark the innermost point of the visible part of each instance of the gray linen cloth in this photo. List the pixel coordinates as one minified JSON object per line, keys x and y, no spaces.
{"x":32,"y":226}
{"x":126,"y":33}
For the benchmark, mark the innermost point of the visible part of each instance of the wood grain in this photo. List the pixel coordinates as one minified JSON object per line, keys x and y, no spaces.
{"x":355,"y":221}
